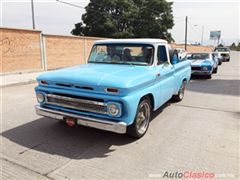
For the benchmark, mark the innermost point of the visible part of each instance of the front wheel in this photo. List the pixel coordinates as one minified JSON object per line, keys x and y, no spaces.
{"x":209,"y":76}
{"x":180,"y":94}
{"x":215,"y":70}
{"x":142,"y":119}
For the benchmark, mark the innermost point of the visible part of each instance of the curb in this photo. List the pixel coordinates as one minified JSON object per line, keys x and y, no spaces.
{"x":19,"y":83}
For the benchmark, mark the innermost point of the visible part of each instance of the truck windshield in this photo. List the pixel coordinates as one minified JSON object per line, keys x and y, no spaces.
{"x":133,"y":54}
{"x":195,"y":56}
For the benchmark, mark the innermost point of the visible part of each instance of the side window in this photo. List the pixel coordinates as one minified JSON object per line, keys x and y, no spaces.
{"x":162,"y":55}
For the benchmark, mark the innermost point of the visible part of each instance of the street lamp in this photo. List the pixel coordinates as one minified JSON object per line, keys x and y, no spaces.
{"x":202,"y":33}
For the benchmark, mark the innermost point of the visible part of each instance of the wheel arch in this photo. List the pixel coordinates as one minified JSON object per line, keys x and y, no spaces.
{"x":150,"y":96}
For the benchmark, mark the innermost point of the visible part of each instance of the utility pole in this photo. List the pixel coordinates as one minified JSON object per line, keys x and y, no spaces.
{"x":33,"y":18}
{"x":186,"y":33}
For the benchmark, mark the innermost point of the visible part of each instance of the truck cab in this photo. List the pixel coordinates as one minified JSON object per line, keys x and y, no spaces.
{"x":124,"y":81}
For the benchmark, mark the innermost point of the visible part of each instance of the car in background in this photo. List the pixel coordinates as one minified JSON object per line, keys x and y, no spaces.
{"x":181,"y":53}
{"x":203,"y":64}
{"x":218,"y":57}
{"x":224,"y":52}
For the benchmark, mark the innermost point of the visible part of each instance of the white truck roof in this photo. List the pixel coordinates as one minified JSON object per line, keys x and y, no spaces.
{"x":137,"y":40}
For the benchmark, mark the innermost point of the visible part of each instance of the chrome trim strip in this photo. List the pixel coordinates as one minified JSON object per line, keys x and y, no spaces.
{"x":117,"y":127}
{"x":77,"y":101}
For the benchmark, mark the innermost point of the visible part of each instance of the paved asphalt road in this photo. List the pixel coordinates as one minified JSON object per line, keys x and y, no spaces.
{"x":199,"y":134}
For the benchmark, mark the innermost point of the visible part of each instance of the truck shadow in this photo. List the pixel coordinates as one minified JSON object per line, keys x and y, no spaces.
{"x":197,"y":77}
{"x":56,"y":138}
{"x":215,"y":86}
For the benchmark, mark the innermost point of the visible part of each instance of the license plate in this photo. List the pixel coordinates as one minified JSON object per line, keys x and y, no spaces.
{"x":70,"y":121}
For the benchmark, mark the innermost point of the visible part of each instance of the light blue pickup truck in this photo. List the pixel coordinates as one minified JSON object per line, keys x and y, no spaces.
{"x":124,"y":81}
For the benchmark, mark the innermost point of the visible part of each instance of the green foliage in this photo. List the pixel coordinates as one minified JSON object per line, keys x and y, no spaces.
{"x":127,"y":19}
{"x":234,"y":47}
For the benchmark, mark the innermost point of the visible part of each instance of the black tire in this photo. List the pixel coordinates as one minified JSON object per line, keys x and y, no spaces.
{"x":180,"y":95}
{"x":220,"y":63}
{"x":209,"y":76}
{"x":137,"y":130}
{"x":215,"y":70}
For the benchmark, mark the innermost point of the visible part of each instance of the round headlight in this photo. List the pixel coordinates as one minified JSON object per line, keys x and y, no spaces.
{"x":113,"y":109}
{"x":40,"y":98}
{"x":205,"y":68}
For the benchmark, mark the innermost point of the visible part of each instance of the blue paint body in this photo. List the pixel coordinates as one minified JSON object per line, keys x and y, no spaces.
{"x":133,"y":82}
{"x":209,"y":62}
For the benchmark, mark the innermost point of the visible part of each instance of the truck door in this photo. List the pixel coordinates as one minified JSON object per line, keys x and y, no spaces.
{"x":165,"y":75}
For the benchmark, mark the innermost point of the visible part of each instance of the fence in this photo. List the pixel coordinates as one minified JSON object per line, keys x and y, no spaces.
{"x":24,"y":50}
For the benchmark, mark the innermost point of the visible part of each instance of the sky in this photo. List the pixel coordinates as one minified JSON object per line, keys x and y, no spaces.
{"x":53,"y":17}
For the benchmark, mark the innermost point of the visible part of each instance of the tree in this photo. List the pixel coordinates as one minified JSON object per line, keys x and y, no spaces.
{"x":127,"y":19}
{"x":233,"y":46}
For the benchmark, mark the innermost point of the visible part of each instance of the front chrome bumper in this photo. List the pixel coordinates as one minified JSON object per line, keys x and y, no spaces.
{"x":117,"y":127}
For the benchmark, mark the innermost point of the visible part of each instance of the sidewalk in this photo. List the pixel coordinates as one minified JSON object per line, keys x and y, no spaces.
{"x":19,"y":79}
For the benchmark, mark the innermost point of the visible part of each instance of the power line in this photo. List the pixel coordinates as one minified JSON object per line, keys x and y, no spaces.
{"x":71,"y":4}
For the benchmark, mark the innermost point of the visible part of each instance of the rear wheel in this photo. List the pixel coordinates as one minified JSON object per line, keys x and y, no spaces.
{"x":142,"y":119}
{"x":215,"y":70}
{"x":181,"y":91}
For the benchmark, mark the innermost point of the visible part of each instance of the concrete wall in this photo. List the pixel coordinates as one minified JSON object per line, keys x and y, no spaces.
{"x":27,"y":50}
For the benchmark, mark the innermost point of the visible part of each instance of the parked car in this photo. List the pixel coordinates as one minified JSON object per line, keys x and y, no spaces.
{"x":225,"y":53}
{"x":203,"y":64}
{"x":181,"y":53}
{"x":218,"y":56}
{"x":124,"y":81}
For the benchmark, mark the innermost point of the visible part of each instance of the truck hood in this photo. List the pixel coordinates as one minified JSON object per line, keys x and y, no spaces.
{"x":101,"y":75}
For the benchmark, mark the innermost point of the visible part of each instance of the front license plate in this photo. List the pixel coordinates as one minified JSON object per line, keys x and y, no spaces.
{"x":70,"y":121}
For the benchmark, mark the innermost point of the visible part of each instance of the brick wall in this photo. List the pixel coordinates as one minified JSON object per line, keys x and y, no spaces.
{"x":63,"y":51}
{"x":193,"y":48}
{"x":20,"y":50}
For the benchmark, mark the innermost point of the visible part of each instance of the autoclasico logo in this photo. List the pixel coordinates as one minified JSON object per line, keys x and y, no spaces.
{"x":187,"y":174}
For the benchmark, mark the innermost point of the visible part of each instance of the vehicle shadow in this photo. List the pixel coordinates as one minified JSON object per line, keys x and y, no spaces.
{"x":53,"y":137}
{"x":215,"y":86}
{"x":197,"y":77}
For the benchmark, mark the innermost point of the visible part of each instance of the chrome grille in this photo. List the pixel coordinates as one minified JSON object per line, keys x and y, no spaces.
{"x":75,"y":103}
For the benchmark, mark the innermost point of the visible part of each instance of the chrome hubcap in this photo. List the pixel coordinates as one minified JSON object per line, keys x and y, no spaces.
{"x":143,"y":117}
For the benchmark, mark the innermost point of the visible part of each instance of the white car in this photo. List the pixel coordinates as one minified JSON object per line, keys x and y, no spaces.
{"x":181,"y":53}
{"x":225,"y":53}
